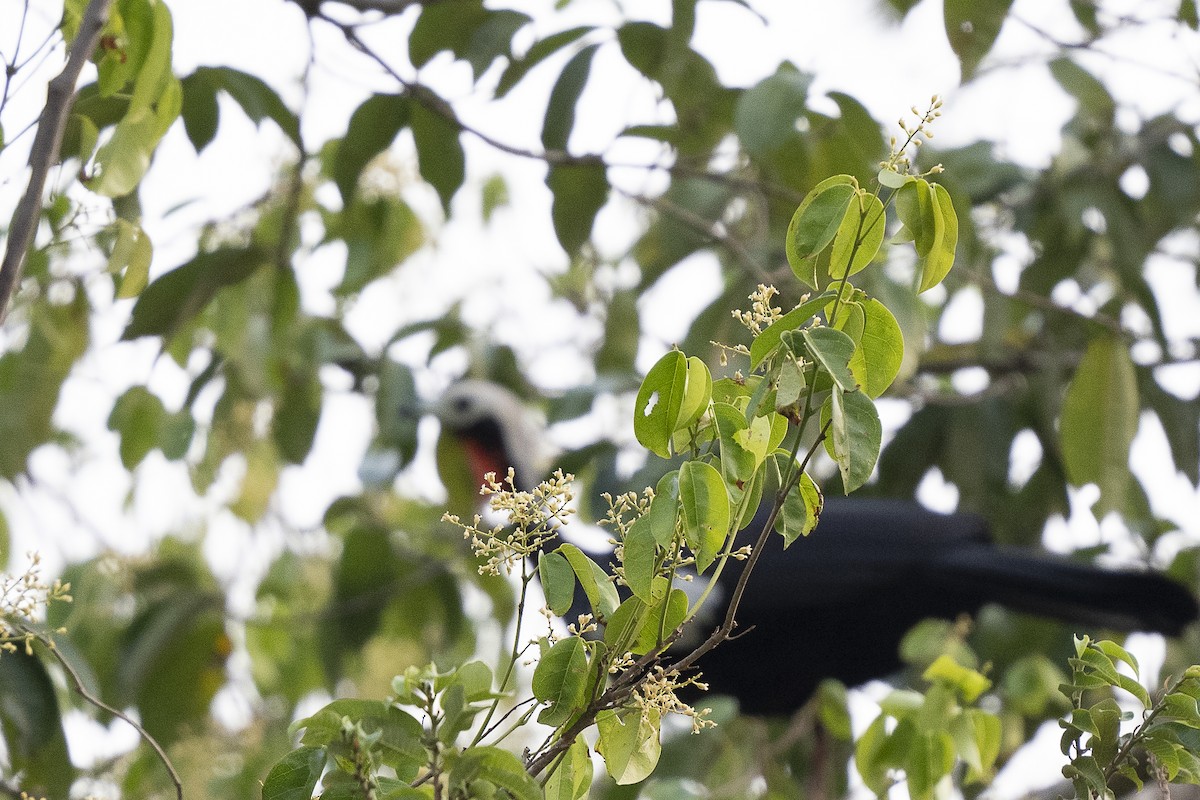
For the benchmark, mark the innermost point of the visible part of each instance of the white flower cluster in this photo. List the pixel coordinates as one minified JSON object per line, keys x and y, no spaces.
{"x":533,"y":519}
{"x":25,"y":597}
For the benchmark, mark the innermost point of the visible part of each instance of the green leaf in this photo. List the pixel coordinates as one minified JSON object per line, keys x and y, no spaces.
{"x":138,"y":416}
{"x":580,"y":191}
{"x":766,"y":113}
{"x":664,"y":511}
{"x":801,"y":511}
{"x":31,"y":724}
{"x":854,"y":436}
{"x":623,"y":626}
{"x":493,"y":196}
{"x":496,"y":766}
{"x":476,"y":679}
{"x":892,"y":179}
{"x":697,"y":393}
{"x":832,"y":350}
{"x":1099,"y":420}
{"x":617,"y":353}
{"x":941,"y":255}
{"x":573,"y":777}
{"x":767,"y":342}
{"x":930,"y":760}
{"x":295,"y":424}
{"x":539,"y":52}
{"x":861,"y":233}
{"x":258,"y":100}
{"x":737,"y":464}
{"x":969,"y":683}
{"x":1164,"y":751}
{"x":972,"y":28}
{"x":915,"y":207}
{"x":1117,"y":653}
{"x":880,"y":352}
{"x":399,"y":734}
{"x":560,"y":111}
{"x":561,"y":680}
{"x":174,"y":299}
{"x":629,"y":742}
{"x":394,"y":400}
{"x":659,"y":620}
{"x":120,"y":163}
{"x":596,"y":583}
{"x":372,"y":129}
{"x":173,"y":661}
{"x":154,"y":74}
{"x":1181,"y":708}
{"x":1095,"y":101}
{"x":817,"y":220}
{"x":132,"y":253}
{"x":1188,"y":15}
{"x":706,"y":512}
{"x":295,"y":775}
{"x":31,"y":377}
{"x":659,"y":401}
{"x":558,"y":581}
{"x":869,"y":757}
{"x":379,"y":234}
{"x":639,"y":561}
{"x":439,"y":151}
{"x":441,"y":27}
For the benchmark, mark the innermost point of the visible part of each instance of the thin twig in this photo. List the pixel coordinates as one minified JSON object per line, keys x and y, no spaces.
{"x":434,"y":104}
{"x":82,"y":691}
{"x":707,"y":229}
{"x":44,"y":152}
{"x":1042,"y":303}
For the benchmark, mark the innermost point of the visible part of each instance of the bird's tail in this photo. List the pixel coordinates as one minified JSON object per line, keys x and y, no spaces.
{"x":1124,"y":600}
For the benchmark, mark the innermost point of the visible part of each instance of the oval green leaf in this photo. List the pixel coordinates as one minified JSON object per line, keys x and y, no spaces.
{"x":941,"y":254}
{"x":816,"y":221}
{"x":855,"y":435}
{"x":558,"y":581}
{"x":560,"y":680}
{"x":876,"y":361}
{"x":629,"y":742}
{"x":705,"y":504}
{"x":832,"y":350}
{"x":1099,"y":420}
{"x":859,"y":237}
{"x":596,"y":583}
{"x":767,"y":342}
{"x":658,"y":402}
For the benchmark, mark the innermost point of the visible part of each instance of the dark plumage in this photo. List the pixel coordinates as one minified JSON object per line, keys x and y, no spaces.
{"x":848,"y":593}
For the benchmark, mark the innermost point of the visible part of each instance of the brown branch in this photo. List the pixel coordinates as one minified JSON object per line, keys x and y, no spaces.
{"x":705,"y":228}
{"x":44,"y":153}
{"x":82,"y":691}
{"x":431,"y":102}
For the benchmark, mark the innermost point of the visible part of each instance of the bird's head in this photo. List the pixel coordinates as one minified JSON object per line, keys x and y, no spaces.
{"x":493,"y":430}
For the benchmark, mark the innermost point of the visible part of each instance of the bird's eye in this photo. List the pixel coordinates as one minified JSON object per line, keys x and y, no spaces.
{"x":462,"y":405}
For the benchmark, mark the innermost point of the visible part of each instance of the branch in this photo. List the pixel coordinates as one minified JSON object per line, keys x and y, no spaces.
{"x":705,"y":228}
{"x":82,"y":691}
{"x":434,"y":104}
{"x":46,"y":144}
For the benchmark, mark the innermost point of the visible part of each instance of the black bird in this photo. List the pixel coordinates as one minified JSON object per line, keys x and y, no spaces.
{"x":837,"y":603}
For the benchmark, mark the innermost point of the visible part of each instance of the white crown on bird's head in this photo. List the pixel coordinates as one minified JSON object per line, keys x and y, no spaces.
{"x":498,"y":429}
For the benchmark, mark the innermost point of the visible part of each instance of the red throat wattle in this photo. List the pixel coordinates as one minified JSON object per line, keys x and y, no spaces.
{"x":483,"y":459}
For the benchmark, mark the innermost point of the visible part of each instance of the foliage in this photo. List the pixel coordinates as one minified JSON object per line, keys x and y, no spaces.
{"x":246,"y":368}
{"x":616,"y":669}
{"x":1092,"y":738}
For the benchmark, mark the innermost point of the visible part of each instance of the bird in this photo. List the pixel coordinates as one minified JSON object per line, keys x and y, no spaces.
{"x":837,"y":604}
